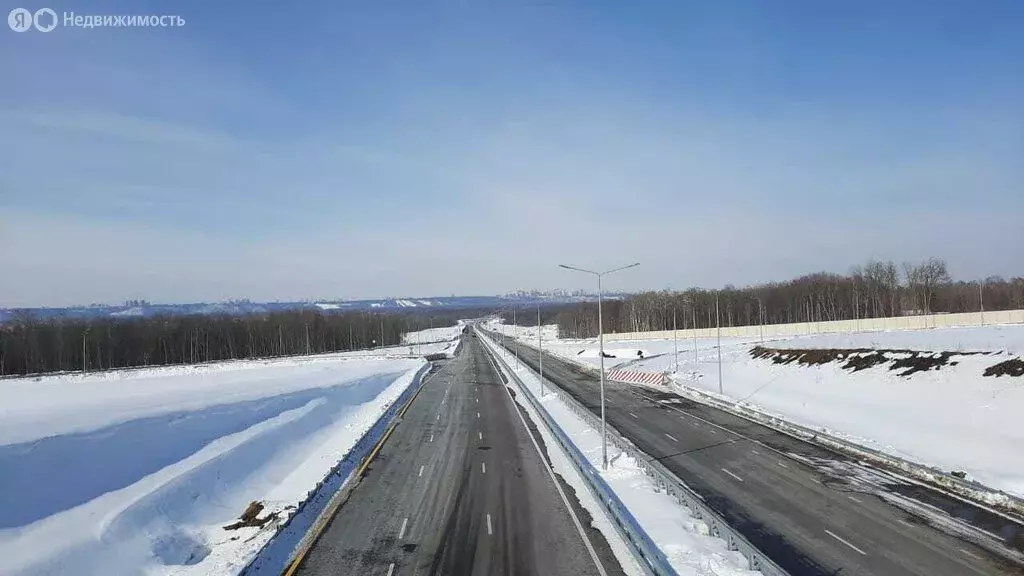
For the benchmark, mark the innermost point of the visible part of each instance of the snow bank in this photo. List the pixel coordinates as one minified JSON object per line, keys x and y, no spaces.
{"x":138,"y":471}
{"x":443,"y":334}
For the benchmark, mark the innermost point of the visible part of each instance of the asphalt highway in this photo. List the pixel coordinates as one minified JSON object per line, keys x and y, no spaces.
{"x":810,"y":510}
{"x":460,"y":487}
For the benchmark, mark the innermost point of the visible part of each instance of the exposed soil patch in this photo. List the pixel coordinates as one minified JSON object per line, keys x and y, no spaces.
{"x":250,"y":518}
{"x":907,"y":362}
{"x":1012,"y":367}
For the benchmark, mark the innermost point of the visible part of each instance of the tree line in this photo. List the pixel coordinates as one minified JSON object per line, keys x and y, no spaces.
{"x":873,"y":290}
{"x":30,"y":345}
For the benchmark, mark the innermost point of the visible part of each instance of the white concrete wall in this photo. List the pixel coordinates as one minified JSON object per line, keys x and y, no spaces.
{"x":840,"y":326}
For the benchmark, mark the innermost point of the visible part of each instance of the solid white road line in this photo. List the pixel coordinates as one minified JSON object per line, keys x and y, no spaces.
{"x":401,"y":532}
{"x":391,"y":569}
{"x":971,"y":554}
{"x":421,"y":471}
{"x":490,"y":532}
{"x":733,"y":475}
{"x":671,"y":437}
{"x":845,"y":542}
{"x":483,"y":467}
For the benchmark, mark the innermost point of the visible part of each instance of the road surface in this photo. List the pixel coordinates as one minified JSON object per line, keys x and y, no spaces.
{"x":460,"y":488}
{"x":811,"y":522}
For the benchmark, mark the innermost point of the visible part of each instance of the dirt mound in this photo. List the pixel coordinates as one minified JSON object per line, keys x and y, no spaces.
{"x":1011,"y":367}
{"x":856,"y":359}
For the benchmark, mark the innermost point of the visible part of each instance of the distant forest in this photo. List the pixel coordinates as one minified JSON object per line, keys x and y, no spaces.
{"x":876,"y":289}
{"x":31,"y":345}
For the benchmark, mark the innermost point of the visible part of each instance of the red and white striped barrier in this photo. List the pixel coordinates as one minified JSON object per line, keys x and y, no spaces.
{"x":637,"y":377}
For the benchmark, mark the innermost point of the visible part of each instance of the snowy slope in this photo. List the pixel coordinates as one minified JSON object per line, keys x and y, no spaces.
{"x":443,"y":334}
{"x":137,"y":472}
{"x":954,"y":418}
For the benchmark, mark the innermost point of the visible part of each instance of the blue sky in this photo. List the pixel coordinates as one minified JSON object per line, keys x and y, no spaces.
{"x":421,"y":148}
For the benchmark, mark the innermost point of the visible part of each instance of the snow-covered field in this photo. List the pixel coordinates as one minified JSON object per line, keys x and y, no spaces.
{"x":138,"y":471}
{"x":442,"y":334}
{"x":685,"y":540}
{"x":953,"y":418}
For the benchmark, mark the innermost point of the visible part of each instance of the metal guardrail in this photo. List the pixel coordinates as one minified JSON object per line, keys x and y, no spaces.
{"x":973,"y":491}
{"x":643,"y":548}
{"x":672,"y":485}
{"x":278,"y":552}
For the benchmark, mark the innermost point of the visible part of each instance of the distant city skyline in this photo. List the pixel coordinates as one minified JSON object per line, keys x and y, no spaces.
{"x":439,"y":148}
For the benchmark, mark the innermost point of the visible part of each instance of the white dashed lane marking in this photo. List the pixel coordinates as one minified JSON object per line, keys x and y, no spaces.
{"x":733,"y":475}
{"x":845,"y":542}
{"x":971,"y":554}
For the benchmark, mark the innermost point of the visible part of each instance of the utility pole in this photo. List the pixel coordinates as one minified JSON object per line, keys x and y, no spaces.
{"x":981,"y":300}
{"x":760,"y":317}
{"x":515,"y":336}
{"x":85,"y":359}
{"x":675,"y":342}
{"x":540,"y":353}
{"x":718,"y":323}
{"x":693,"y":310}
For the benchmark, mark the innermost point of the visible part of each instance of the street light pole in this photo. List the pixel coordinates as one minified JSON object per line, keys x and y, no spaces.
{"x":981,"y":300}
{"x":600,"y":351}
{"x":675,"y":342}
{"x":718,"y":323}
{"x":760,"y":317}
{"x":540,"y":353}
{"x":693,"y":310}
{"x":515,"y":336}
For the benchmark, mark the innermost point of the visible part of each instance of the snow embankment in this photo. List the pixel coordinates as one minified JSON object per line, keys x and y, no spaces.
{"x":443,"y":334}
{"x":139,"y":471}
{"x":950,"y":416}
